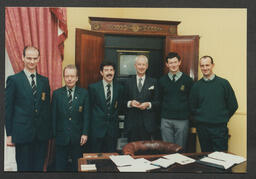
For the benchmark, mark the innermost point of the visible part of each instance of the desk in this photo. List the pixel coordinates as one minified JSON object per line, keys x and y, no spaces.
{"x":104,"y":164}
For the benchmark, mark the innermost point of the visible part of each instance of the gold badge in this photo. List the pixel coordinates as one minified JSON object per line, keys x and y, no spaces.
{"x":116,"y":104}
{"x":80,"y":108}
{"x":43,"y":96}
{"x":182,"y":88}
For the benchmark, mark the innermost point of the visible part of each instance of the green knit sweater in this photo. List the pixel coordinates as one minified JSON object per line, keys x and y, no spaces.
{"x":175,"y":96}
{"x":213,"y":101}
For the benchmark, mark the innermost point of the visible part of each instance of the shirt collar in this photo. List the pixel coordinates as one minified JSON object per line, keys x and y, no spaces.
{"x":143,"y":77}
{"x":178,"y":75}
{"x":210,"y":78}
{"x":28,"y":74}
{"x":106,"y":83}
{"x":73,"y":89}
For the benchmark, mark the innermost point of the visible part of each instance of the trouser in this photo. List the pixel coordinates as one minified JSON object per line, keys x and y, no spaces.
{"x":31,"y":156}
{"x":175,"y":131}
{"x":138,"y":132}
{"x":62,"y":154}
{"x":212,"y":137}
{"x":106,"y":144}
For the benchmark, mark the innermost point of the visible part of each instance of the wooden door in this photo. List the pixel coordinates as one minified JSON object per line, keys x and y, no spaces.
{"x":188,"y":49}
{"x":89,"y":55}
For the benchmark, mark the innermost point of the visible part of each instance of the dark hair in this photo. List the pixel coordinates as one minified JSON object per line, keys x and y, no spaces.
{"x":70,"y":66}
{"x":28,"y":47}
{"x":207,"y":56}
{"x":172,"y":55}
{"x":106,"y":63}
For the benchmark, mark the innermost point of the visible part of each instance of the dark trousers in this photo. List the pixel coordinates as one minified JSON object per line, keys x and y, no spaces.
{"x":31,"y":156}
{"x":106,"y":144}
{"x":62,"y":154}
{"x":139,"y":133}
{"x":212,"y":137}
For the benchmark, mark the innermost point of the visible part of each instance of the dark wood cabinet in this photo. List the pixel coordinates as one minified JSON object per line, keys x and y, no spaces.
{"x":92,"y":46}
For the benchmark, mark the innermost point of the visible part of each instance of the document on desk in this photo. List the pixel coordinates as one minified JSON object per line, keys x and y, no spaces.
{"x":138,"y":165}
{"x":179,"y":158}
{"x":162,"y":162}
{"x":227,"y":157}
{"x":88,"y":167}
{"x":217,"y":162}
{"x":122,"y":160}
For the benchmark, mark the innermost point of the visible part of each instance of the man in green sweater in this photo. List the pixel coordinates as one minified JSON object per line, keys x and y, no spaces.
{"x":174,"y":89}
{"x":213,"y":102}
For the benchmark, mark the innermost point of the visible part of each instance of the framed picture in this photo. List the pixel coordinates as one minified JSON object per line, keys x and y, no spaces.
{"x":126,"y":61}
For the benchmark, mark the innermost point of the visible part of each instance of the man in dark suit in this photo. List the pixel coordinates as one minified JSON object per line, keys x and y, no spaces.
{"x":142,"y":103}
{"x":105,"y":102}
{"x":27,"y":113}
{"x":70,"y":115}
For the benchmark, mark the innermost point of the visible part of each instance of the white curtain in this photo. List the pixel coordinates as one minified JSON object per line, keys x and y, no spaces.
{"x":9,"y":152}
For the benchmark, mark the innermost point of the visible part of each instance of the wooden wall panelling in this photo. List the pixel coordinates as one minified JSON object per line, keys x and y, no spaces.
{"x":89,"y":55}
{"x":188,"y":49}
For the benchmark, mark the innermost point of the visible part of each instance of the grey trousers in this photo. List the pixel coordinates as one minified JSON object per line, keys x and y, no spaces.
{"x":175,"y":131}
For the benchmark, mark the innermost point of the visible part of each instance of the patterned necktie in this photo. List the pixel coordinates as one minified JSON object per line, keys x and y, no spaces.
{"x":108,"y":99}
{"x":69,"y":100}
{"x":33,"y":85}
{"x":173,"y":77}
{"x":140,"y":84}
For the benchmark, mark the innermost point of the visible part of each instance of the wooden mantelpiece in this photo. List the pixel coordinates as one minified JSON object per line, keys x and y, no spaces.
{"x":133,"y":26}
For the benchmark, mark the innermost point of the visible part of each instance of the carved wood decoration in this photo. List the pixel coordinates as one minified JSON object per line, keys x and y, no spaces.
{"x":133,"y":26}
{"x":188,"y":49}
{"x":89,"y":55}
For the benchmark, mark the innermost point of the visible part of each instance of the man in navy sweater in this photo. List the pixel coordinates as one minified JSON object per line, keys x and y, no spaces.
{"x":174,"y":89}
{"x":213,"y":102}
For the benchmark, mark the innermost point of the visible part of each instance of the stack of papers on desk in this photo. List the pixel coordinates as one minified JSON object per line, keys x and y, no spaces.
{"x":179,"y":158}
{"x":89,"y":168}
{"x":122,"y":160}
{"x":138,"y":165}
{"x":163,"y":162}
{"x":222,"y":160}
{"x":125,"y":163}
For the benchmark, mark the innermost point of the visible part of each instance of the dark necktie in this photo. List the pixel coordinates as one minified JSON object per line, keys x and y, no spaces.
{"x":140,"y":84}
{"x":108,"y":99}
{"x":69,"y":100}
{"x":173,"y":77}
{"x":33,"y":85}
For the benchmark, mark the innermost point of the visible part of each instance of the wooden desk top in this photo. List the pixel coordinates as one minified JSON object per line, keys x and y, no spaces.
{"x":104,"y":164}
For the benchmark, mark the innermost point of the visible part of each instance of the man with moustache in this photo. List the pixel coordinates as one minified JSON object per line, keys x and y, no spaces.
{"x":142,"y":100}
{"x":213,"y":102}
{"x":174,"y":89}
{"x":70,"y":114}
{"x":105,"y":102}
{"x":27,"y":113}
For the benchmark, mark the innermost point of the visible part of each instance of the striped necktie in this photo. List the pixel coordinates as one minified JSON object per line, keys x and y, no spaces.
{"x":108,"y":99}
{"x":69,"y":100}
{"x":33,"y":85}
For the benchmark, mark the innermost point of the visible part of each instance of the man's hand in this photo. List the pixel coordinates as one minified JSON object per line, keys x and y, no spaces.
{"x":135,"y":104}
{"x":83,"y":140}
{"x":144,"y":106}
{"x":9,"y":141}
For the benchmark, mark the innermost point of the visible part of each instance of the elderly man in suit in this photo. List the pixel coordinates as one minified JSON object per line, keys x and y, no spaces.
{"x":142,"y":100}
{"x":105,"y":102}
{"x":27,"y":113}
{"x":70,"y":115}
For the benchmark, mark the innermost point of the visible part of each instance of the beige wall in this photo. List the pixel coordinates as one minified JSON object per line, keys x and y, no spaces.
{"x":222,"y":35}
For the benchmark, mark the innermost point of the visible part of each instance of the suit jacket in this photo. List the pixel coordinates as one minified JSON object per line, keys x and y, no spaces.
{"x":102,"y":119}
{"x":70,"y":126}
{"x":23,"y":121}
{"x":149,"y":93}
